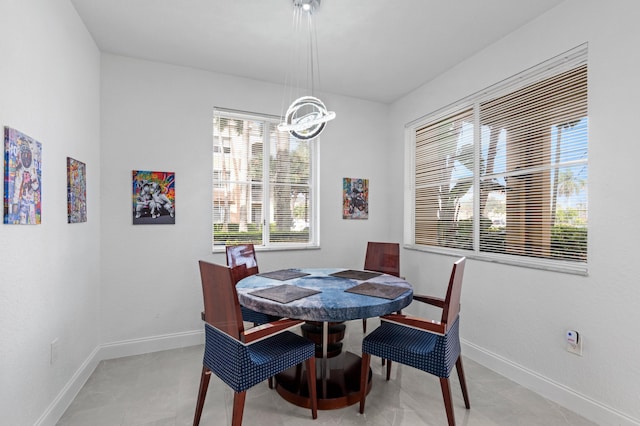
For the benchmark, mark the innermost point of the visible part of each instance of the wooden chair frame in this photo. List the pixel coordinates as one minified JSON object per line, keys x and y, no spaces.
{"x":450,"y":306}
{"x":381,"y":257}
{"x":222,"y":312}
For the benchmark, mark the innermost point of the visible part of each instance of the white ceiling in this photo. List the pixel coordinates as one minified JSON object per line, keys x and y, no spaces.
{"x":370,"y":49}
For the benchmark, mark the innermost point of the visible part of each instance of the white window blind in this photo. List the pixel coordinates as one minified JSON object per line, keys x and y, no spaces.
{"x":262,"y":183}
{"x":504,"y":176}
{"x":444,"y":180}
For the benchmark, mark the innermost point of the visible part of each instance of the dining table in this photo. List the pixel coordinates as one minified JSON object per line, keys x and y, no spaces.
{"x":329,"y":297}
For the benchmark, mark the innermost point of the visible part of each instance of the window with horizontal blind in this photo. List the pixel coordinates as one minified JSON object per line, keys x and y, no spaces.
{"x":503,"y":175}
{"x":263,"y":183}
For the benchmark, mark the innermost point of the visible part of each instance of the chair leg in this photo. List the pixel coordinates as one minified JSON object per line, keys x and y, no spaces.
{"x":364,"y":376}
{"x":364,"y":326}
{"x":463,"y":382}
{"x":388,"y":369}
{"x":202,"y":393}
{"x":448,"y":403}
{"x":270,"y":382}
{"x":311,"y":382}
{"x":238,"y":407}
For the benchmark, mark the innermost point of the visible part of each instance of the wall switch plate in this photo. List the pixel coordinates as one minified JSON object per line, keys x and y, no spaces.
{"x":574,"y":342}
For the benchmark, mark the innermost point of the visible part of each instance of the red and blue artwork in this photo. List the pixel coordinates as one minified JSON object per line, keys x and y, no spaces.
{"x":153,"y":197}
{"x":22,"y":178}
{"x":355,"y":198}
{"x":76,"y":191}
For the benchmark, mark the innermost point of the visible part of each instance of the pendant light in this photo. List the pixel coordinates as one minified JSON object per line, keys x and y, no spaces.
{"x":307,"y":115}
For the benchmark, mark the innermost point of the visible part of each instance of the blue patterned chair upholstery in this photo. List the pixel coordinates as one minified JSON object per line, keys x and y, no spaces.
{"x":255,"y":317}
{"x":244,"y":366}
{"x":430,"y":346}
{"x":240,"y":358}
{"x":245,"y":254}
{"x":416,"y":348}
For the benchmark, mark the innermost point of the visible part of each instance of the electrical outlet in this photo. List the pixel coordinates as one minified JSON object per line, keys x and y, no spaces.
{"x":574,"y":342}
{"x":55,"y":349}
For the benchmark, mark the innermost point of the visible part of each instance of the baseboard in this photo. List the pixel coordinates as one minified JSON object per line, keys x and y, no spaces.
{"x":556,"y":392}
{"x":151,"y":344}
{"x":58,"y":406}
{"x":65,"y":397}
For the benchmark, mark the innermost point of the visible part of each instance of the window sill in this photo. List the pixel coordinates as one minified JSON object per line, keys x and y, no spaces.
{"x":221,"y":249}
{"x":565,"y":267}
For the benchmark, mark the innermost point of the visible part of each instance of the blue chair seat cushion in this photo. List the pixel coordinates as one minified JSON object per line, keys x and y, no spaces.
{"x":420,"y":349}
{"x":242,"y":367}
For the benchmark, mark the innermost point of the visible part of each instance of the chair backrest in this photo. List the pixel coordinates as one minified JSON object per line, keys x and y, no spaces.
{"x":383,"y":257}
{"x":221,"y":306}
{"x":451,"y":307}
{"x":242,"y":254}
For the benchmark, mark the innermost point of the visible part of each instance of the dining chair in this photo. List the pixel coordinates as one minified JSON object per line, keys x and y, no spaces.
{"x":431,"y":346}
{"x":381,"y":257}
{"x":245,"y":254}
{"x":240,"y":358}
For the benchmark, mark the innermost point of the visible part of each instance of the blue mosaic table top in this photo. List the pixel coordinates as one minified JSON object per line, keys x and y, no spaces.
{"x":331,"y":304}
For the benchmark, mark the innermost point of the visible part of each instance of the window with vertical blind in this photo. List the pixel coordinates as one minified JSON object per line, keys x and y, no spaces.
{"x":502,"y":175}
{"x":263,"y":183}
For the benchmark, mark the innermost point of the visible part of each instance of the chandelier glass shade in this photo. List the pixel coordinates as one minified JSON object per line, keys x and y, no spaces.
{"x":307,"y":115}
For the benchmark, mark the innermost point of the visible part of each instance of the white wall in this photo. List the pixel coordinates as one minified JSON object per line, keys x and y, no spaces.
{"x":159,"y":117}
{"x":514,"y":318}
{"x":49,"y":273}
{"x":156,"y":116}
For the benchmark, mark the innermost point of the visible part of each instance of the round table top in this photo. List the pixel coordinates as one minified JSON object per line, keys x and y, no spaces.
{"x":331,"y":304}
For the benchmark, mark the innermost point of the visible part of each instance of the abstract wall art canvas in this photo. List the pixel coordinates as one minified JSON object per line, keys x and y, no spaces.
{"x":22,"y":178}
{"x":355,"y":198}
{"x":76,"y":191}
{"x":154,"y":197}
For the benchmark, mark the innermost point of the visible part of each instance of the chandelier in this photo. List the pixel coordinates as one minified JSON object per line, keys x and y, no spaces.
{"x":307,"y":115}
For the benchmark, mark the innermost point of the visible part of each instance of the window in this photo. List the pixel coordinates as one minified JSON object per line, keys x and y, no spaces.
{"x":221,"y":175}
{"x":263,"y":183}
{"x":502,"y":176}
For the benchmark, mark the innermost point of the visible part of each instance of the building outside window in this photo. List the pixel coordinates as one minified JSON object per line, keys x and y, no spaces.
{"x":263,"y":183}
{"x":502,"y":175}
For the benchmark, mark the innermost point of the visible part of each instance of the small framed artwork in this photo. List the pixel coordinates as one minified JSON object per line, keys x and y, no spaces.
{"x":22,"y":178}
{"x":153,"y":197}
{"x":76,"y":191}
{"x":355,"y":198}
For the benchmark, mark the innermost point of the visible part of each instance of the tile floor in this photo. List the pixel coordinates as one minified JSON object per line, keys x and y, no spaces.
{"x":160,"y":389}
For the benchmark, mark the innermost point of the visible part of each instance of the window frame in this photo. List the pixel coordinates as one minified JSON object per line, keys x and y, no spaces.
{"x":313,"y":187}
{"x":568,"y":60}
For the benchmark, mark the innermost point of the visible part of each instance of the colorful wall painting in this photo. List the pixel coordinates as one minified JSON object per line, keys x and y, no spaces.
{"x":22,"y":178}
{"x":76,"y":191}
{"x":154,"y":197}
{"x":355,"y":198}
